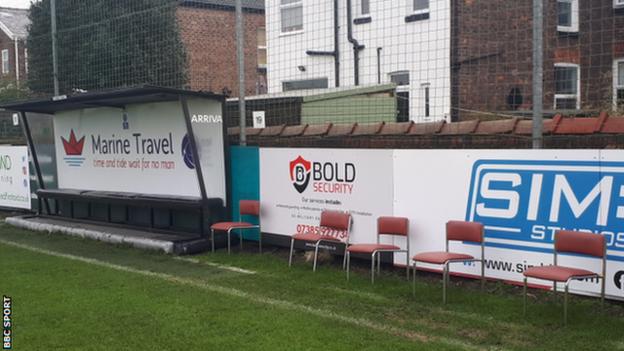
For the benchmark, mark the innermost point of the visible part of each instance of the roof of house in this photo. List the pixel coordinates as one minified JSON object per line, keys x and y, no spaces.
{"x":247,"y":4}
{"x":14,"y":22}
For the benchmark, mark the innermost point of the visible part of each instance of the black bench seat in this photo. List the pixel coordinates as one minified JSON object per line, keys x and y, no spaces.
{"x":134,"y":200}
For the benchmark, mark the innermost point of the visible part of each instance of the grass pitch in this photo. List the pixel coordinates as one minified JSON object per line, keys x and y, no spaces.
{"x":72,"y":294}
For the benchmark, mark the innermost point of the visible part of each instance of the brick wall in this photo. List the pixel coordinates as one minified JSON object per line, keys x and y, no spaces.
{"x":492,"y":53}
{"x":7,"y":43}
{"x":209,"y":35}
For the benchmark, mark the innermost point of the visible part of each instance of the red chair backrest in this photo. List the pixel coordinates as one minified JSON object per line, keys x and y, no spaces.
{"x":335,"y":220}
{"x":578,"y":242}
{"x":392,"y":226}
{"x":249,"y":207}
{"x":464,"y":231}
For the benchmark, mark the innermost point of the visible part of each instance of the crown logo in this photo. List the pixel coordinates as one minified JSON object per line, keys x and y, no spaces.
{"x":73,"y":147}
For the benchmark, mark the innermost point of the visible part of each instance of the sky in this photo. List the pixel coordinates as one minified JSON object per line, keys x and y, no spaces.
{"x":22,"y":4}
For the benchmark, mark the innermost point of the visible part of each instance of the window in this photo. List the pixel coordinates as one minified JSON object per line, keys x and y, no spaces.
{"x":318,"y":83}
{"x":420,"y":6}
{"x":291,"y":15}
{"x":567,"y":86}
{"x":618,"y":4}
{"x":426,"y":97}
{"x":401,"y":79}
{"x":364,"y":7}
{"x":618,"y":84}
{"x":5,"y":61}
{"x":262,"y":48}
{"x":567,"y":16}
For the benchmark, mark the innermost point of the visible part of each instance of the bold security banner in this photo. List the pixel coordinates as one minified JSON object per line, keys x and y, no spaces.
{"x":143,"y":148}
{"x":14,"y":177}
{"x":522,"y":197}
{"x":297,"y":184}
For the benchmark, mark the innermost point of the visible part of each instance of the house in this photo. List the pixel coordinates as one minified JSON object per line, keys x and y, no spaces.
{"x":336,"y":43}
{"x":451,"y":60}
{"x":208,"y":31}
{"x":492,"y":56}
{"x":13,"y":53}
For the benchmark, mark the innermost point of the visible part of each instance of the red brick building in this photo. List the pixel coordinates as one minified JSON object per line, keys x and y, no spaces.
{"x":208,"y":30}
{"x":492,"y":56}
{"x":13,"y":53}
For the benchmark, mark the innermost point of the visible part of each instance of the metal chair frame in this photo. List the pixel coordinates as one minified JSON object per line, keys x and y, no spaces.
{"x":445,"y":270}
{"x":240,"y":234}
{"x":567,"y":284}
{"x":377,"y":253}
{"x":317,"y":243}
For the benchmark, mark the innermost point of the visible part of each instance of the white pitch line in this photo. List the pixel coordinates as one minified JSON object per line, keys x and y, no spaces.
{"x":216,"y":265}
{"x":359,"y":322}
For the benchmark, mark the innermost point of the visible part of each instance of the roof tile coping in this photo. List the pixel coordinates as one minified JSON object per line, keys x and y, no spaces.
{"x":463,"y":127}
{"x":318,"y":129}
{"x":342,"y":129}
{"x":396,"y":128}
{"x":292,"y":131}
{"x":367,"y":129}
{"x":427,"y":128}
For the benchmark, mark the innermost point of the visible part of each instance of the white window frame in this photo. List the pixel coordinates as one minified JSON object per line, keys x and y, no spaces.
{"x":426,"y":95}
{"x":421,"y":11}
{"x":574,"y":21}
{"x":6,"y":68}
{"x":361,"y":8}
{"x":263,"y":47}
{"x":401,"y":88}
{"x":576,"y":96}
{"x":282,"y":7}
{"x":618,"y":4}
{"x":616,"y":85}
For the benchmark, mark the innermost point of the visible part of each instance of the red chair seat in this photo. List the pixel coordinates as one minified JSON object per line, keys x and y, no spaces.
{"x":440,"y":257}
{"x":313,"y":237}
{"x":225,"y":226}
{"x":370,"y":248}
{"x":556,"y":273}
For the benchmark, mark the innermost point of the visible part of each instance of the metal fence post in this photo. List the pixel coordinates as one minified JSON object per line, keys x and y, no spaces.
{"x":240,"y":40}
{"x":538,"y":73}
{"x":54,"y":53}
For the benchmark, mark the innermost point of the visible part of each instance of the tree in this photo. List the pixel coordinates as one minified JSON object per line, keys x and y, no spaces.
{"x":106,"y":44}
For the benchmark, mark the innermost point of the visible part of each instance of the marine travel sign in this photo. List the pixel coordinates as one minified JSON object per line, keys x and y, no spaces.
{"x":142,"y":148}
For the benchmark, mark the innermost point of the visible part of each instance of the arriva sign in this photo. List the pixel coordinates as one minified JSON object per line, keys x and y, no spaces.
{"x":523,"y":203}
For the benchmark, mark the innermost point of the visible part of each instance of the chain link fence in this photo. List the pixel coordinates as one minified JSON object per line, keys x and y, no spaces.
{"x":333,"y":61}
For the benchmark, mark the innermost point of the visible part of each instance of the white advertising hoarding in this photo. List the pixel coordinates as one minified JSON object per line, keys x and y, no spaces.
{"x":14,"y":177}
{"x":297,"y":184}
{"x":143,"y":148}
{"x":521,"y":196}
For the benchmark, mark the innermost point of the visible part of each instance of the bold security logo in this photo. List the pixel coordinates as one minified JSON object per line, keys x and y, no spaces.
{"x":300,"y":173}
{"x":523,"y":203}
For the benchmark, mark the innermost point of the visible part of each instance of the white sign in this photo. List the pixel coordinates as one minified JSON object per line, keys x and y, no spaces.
{"x":143,"y":148}
{"x":14,"y":177}
{"x":15,"y":119}
{"x":297,"y":184}
{"x":521,"y":196}
{"x":258,"y":119}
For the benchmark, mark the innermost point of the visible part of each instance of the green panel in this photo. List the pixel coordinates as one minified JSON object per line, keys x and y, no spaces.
{"x":245,"y":174}
{"x":360,"y":109}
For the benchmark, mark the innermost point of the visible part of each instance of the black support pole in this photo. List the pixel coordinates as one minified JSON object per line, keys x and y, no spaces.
{"x":33,"y":154}
{"x":198,"y":170}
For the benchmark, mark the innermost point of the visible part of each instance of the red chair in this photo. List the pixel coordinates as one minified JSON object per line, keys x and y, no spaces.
{"x":394,"y":226}
{"x":567,"y":241}
{"x":455,"y":231}
{"x":335,"y":222}
{"x":246,"y":208}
